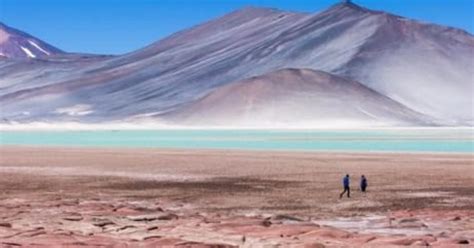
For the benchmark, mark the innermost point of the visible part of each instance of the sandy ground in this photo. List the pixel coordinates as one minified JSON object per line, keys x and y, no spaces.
{"x":71,"y":197}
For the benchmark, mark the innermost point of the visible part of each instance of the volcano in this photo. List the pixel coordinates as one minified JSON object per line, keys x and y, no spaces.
{"x":406,"y":73}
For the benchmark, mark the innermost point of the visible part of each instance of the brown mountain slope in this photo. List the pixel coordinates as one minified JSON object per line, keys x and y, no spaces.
{"x":295,"y":97}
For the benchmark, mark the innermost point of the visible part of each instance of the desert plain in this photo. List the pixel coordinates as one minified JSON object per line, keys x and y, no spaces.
{"x":96,"y":197}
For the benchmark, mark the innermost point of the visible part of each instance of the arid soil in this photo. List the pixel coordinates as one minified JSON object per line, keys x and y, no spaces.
{"x":78,"y":197}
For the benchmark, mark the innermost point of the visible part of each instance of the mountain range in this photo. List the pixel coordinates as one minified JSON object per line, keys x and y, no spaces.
{"x":255,"y":67}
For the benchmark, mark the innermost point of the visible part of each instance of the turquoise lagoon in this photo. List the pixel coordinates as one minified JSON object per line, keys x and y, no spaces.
{"x":391,"y":140}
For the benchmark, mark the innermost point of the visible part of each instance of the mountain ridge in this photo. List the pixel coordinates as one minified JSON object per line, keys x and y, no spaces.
{"x":386,"y":53}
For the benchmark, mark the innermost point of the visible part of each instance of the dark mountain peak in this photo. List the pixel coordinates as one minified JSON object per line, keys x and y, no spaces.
{"x":343,"y":11}
{"x":349,"y":5}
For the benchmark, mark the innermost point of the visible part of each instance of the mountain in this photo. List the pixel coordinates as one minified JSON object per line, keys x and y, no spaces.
{"x":423,"y":67}
{"x":300,"y":97}
{"x":17,"y":44}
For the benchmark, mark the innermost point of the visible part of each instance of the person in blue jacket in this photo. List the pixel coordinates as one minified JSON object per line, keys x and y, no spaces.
{"x":363,"y":183}
{"x":346,"y":184}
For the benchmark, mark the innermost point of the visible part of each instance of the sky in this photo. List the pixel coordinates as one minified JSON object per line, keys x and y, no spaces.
{"x":121,"y":26}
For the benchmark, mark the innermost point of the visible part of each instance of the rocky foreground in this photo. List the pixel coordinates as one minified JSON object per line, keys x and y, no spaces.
{"x":99,"y":198}
{"x":123,"y":223}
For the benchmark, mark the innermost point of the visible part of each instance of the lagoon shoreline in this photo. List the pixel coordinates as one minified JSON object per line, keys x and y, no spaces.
{"x":420,"y":141}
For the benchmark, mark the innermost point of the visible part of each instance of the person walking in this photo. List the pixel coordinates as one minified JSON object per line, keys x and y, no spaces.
{"x":363,"y":183}
{"x":346,"y":184}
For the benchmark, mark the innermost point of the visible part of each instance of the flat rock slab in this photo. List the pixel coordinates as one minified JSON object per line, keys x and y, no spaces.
{"x":7,"y":225}
{"x":73,"y":218}
{"x":153,"y":217}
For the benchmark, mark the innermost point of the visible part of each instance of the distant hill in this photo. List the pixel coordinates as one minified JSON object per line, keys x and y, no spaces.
{"x":298,"y":97}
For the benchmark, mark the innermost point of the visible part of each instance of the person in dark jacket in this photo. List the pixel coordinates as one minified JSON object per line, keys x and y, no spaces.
{"x":363,"y":183}
{"x":346,"y":184}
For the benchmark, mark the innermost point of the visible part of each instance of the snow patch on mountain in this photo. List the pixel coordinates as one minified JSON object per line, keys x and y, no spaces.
{"x":28,"y":52}
{"x":76,"y":110}
{"x":38,"y":47}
